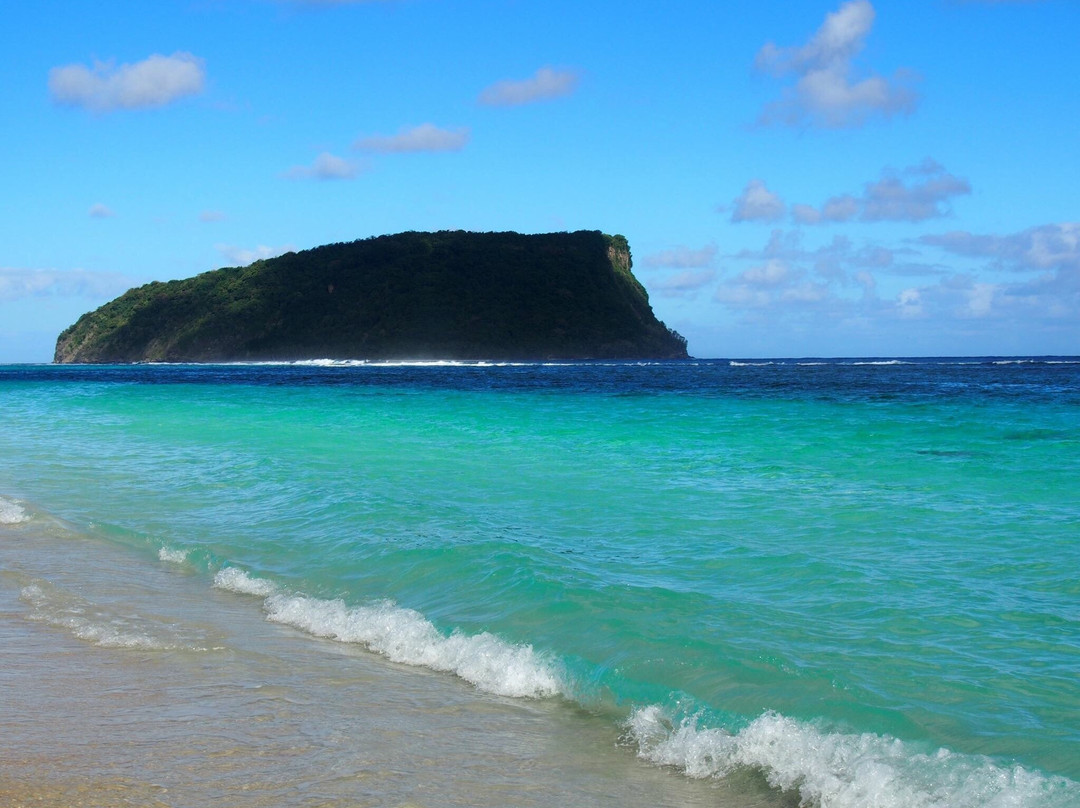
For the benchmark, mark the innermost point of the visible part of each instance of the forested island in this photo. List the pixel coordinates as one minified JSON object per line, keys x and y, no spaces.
{"x":445,"y":295}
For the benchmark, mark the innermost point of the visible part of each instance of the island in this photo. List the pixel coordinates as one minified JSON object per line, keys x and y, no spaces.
{"x":445,"y":295}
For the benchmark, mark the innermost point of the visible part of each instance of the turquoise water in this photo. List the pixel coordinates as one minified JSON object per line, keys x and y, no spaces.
{"x":858,"y":579}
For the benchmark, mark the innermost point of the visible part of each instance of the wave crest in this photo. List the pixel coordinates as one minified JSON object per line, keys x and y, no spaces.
{"x":838,"y":770}
{"x":233,"y":579}
{"x":403,"y":635}
{"x":12,"y":513}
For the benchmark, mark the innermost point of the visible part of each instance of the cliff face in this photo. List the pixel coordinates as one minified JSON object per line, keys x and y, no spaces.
{"x":448,"y":295}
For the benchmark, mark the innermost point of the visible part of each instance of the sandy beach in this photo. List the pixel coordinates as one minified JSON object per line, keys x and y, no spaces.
{"x":99,"y":711}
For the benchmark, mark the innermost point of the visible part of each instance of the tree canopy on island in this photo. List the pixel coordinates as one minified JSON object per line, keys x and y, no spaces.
{"x":445,"y":295}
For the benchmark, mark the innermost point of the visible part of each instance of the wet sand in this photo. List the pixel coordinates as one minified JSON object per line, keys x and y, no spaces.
{"x":242,"y":712}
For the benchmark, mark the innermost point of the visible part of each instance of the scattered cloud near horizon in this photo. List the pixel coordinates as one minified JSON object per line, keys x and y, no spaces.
{"x":547,"y":83}
{"x":104,"y":87}
{"x":827,"y":91}
{"x":842,"y":283}
{"x":1049,"y":246}
{"x":423,"y":138}
{"x":920,"y":192}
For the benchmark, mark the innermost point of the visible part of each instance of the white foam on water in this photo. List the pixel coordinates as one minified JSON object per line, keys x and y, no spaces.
{"x":837,"y":770}
{"x":406,"y":636}
{"x":12,"y":513}
{"x":172,"y":556}
{"x":106,"y":626}
{"x":383,"y":363}
{"x":236,"y":580}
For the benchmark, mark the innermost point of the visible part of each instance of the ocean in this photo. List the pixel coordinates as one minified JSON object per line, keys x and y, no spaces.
{"x":831,"y":583}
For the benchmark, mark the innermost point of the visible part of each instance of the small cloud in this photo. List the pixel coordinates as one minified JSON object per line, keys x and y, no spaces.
{"x":239,"y":256}
{"x":770,"y":274}
{"x":326,"y":167}
{"x":684,"y":284}
{"x":545,"y":84}
{"x":909,"y":303}
{"x":424,"y":138}
{"x":682,"y":258}
{"x":154,"y":82}
{"x":100,"y":211}
{"x":211,"y":216}
{"x":893,"y":198}
{"x":757,"y":204}
{"x":825,"y":92}
{"x":838,"y":209}
{"x":17,"y":284}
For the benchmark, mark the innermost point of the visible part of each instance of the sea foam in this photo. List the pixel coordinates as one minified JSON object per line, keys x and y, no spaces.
{"x":107,"y":626}
{"x":172,"y":556}
{"x":11,"y":513}
{"x":838,"y":770}
{"x":406,"y":636}
{"x":236,"y":580}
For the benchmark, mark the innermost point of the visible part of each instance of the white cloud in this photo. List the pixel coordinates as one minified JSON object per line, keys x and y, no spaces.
{"x":838,"y":209}
{"x":757,"y":204}
{"x":154,"y":82}
{"x":845,"y":293}
{"x":684,"y":284}
{"x":239,"y":256}
{"x":424,"y":138}
{"x":16,"y":284}
{"x":1050,"y":246}
{"x":326,"y":167}
{"x":909,"y":303}
{"x":545,"y":84}
{"x":682,"y":257}
{"x":825,"y":92}
{"x":211,"y":216}
{"x":891,"y":199}
{"x":100,"y":211}
{"x":771,"y":273}
{"x":805,"y":292}
{"x":981,"y":299}
{"x":920,"y":192}
{"x":867,"y":281}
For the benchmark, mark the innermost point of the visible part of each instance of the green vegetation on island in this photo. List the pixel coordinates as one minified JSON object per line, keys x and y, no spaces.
{"x":446,"y":295}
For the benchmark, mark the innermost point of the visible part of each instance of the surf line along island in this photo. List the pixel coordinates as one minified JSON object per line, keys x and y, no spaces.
{"x":445,"y":295}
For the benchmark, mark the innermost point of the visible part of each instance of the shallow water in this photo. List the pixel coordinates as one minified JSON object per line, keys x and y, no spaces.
{"x":691,"y":583}
{"x":182,"y":695}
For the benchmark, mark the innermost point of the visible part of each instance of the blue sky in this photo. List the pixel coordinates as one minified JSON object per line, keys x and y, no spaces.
{"x":799,"y":178}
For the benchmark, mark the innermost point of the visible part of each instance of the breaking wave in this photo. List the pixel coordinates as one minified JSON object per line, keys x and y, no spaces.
{"x":406,"y":636}
{"x":838,"y":770}
{"x":12,"y":513}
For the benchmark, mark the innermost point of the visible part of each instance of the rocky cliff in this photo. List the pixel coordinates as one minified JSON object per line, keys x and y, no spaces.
{"x":446,"y":295}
